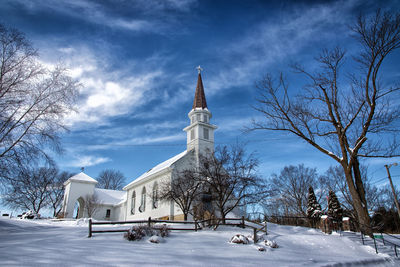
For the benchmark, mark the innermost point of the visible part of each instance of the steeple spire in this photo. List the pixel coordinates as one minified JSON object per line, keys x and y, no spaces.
{"x":200,"y":132}
{"x":199,"y":96}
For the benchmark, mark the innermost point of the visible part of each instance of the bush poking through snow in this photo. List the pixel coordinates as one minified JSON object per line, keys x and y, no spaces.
{"x":239,"y":239}
{"x":138,"y":232}
{"x":162,"y":230}
{"x":261,"y":249}
{"x":271,"y":243}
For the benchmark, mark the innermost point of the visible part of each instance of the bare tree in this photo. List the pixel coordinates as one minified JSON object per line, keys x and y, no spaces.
{"x":344,"y":121}
{"x":184,"y":189}
{"x":33,"y":102}
{"x":386,"y":198}
{"x":336,"y":181}
{"x":56,"y":192}
{"x":92,"y":204}
{"x":231,"y":177}
{"x":291,"y":186}
{"x":111,"y":179}
{"x":30,"y":189}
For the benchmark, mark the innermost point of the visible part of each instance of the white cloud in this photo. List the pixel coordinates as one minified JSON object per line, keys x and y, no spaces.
{"x":86,"y":161}
{"x":140,"y":141}
{"x":153,"y":139}
{"x":105,"y":94}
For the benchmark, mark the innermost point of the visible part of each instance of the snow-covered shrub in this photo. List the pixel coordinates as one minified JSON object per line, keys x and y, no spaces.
{"x":138,"y":232}
{"x":261,"y":249}
{"x":162,"y":230}
{"x":30,"y":215}
{"x":271,"y":243}
{"x":239,"y":239}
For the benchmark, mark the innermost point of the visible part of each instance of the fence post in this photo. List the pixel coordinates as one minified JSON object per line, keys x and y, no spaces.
{"x":195,"y":225}
{"x":242,"y":221}
{"x":255,"y":235}
{"x":376,"y":249}
{"x":266,"y":227}
{"x":395,"y":250}
{"x":149,"y":222}
{"x":90,"y":228}
{"x":362,"y":238}
{"x":383,"y":239}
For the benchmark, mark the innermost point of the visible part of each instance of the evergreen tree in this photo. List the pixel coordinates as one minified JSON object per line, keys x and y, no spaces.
{"x":335,"y":211}
{"x":313,"y":207}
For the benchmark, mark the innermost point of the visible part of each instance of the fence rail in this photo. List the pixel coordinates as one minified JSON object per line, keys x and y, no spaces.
{"x":242,"y":222}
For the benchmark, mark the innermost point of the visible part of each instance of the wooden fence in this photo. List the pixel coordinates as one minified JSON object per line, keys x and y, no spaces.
{"x":197,"y":225}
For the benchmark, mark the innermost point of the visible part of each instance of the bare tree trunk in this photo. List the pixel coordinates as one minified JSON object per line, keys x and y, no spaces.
{"x":358,"y":196}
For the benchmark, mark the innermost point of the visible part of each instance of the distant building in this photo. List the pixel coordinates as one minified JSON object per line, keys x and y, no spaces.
{"x":139,"y":199}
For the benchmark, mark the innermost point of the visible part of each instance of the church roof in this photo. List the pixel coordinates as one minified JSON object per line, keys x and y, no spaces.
{"x":199,"y":96}
{"x":162,"y":166}
{"x":110,"y":197}
{"x":82,"y":177}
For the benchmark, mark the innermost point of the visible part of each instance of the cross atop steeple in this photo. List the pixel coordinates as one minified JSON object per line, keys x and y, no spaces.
{"x":199,"y":69}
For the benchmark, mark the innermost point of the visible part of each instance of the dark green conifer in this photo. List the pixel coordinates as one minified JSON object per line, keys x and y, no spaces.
{"x":335,"y":211}
{"x":313,"y":207}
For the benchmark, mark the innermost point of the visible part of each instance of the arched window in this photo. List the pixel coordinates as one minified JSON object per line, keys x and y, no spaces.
{"x":155,"y":195}
{"x":142,"y":207}
{"x":133,"y":202}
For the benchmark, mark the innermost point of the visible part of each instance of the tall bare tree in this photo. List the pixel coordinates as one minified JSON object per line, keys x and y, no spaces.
{"x":111,"y":179}
{"x":291,"y":186}
{"x":33,"y":101}
{"x":56,"y":192}
{"x":230,"y":175}
{"x":344,"y":119}
{"x":184,"y":190}
{"x":30,"y":189}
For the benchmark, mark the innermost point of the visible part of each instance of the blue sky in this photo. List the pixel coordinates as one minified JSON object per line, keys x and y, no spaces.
{"x":136,"y":61}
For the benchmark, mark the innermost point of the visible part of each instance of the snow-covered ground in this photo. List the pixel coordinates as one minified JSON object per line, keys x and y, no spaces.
{"x":45,"y":242}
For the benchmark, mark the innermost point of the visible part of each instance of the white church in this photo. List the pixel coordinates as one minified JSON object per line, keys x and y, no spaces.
{"x":139,"y":200}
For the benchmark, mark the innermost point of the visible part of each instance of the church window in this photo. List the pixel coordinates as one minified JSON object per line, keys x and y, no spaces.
{"x":108,"y":213}
{"x":142,"y":207}
{"x":155,"y":195}
{"x":192,"y":134}
{"x":133,"y":200}
{"x":198,"y":117}
{"x":205,"y":133}
{"x":205,"y":118}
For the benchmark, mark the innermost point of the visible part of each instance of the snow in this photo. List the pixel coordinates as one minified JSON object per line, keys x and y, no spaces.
{"x":162,"y":166}
{"x":65,"y":243}
{"x":81,"y":177}
{"x":110,"y":197}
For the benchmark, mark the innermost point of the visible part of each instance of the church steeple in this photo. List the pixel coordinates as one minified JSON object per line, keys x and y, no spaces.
{"x":199,"y":96}
{"x":200,"y":133}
